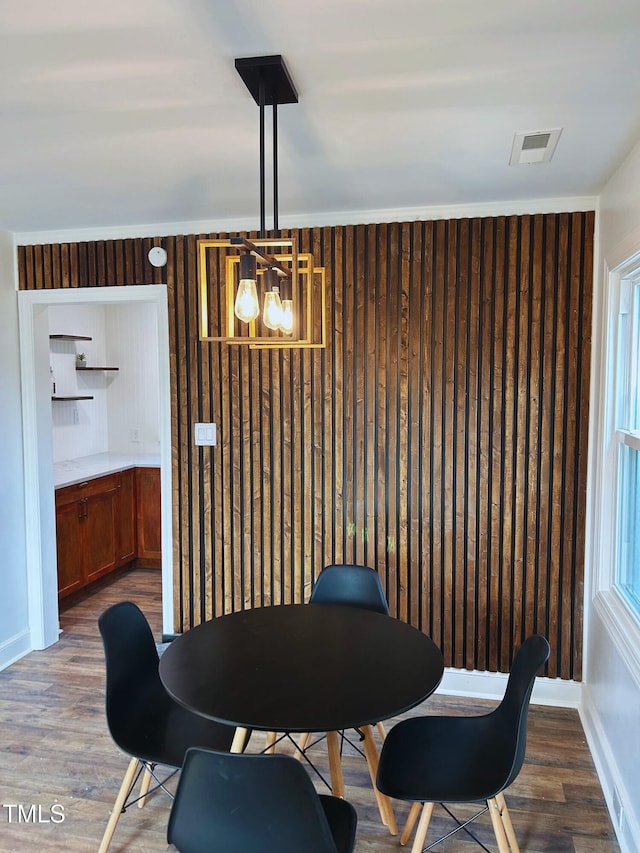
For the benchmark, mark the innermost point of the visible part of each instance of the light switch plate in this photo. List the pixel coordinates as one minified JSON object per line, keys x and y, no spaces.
{"x":206,"y":434}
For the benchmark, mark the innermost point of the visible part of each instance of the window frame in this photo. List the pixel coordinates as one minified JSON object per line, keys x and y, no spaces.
{"x":613,"y":607}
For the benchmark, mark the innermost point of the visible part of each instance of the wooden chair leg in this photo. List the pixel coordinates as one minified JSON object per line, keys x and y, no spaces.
{"x":381,"y":732}
{"x":119,"y":803}
{"x":506,"y":821}
{"x":335,"y":767}
{"x":384,"y":803}
{"x":416,"y":808}
{"x":144,"y":788}
{"x":423,"y":826}
{"x":239,"y":740}
{"x":498,"y":826}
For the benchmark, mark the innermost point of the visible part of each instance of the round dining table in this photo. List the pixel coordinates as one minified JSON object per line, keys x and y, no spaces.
{"x":304,"y":668}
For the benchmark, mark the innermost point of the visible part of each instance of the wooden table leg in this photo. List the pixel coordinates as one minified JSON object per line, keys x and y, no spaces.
{"x":384,"y":803}
{"x":335,"y":767}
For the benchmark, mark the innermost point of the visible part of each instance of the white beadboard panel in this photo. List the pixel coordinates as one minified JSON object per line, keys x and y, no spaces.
{"x":132,"y":345}
{"x":80,"y":427}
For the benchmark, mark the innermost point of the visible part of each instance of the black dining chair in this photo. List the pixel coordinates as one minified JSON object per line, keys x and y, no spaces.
{"x":353,"y":586}
{"x":443,"y":759}
{"x":143,"y":719}
{"x":228,"y":803}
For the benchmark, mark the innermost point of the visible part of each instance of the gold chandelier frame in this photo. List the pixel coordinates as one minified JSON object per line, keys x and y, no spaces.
{"x":308,"y":292}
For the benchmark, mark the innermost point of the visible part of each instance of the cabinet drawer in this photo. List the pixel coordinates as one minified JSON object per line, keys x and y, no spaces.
{"x":69,"y":494}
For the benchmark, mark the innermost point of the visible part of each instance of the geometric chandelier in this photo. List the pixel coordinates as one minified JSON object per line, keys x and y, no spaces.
{"x":262,"y":292}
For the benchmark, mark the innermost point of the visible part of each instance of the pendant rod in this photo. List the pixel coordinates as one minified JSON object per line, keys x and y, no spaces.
{"x":275,"y":169}
{"x":262,"y":170}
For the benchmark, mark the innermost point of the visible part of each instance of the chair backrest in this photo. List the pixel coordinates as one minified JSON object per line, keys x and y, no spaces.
{"x":132,"y":671}
{"x":512,"y":713}
{"x":230,"y":803}
{"x":355,"y":586}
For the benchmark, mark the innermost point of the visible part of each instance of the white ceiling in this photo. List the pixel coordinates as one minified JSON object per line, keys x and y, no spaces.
{"x":130,"y":112}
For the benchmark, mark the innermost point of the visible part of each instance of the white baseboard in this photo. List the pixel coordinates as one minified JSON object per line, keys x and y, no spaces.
{"x":628,"y":834}
{"x":491,"y":685}
{"x":14,"y":648}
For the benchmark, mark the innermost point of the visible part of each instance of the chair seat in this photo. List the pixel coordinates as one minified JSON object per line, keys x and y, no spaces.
{"x":160,"y":731}
{"x":445,"y":759}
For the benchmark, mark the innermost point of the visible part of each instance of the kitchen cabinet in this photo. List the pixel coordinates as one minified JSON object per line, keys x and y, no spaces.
{"x":86,"y":524}
{"x":96,"y":529}
{"x":148,"y":518}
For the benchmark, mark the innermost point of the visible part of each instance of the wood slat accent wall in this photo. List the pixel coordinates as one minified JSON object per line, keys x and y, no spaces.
{"x":441,"y":437}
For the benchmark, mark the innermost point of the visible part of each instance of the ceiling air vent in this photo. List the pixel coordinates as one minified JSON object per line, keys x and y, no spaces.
{"x":534,"y":146}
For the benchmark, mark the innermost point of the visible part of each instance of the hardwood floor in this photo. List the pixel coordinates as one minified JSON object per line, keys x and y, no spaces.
{"x":56,"y":749}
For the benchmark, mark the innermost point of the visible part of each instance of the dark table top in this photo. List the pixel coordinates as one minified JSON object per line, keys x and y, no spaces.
{"x":301,"y":668}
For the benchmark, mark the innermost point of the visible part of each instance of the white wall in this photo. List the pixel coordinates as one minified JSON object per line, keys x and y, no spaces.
{"x":611,"y":694}
{"x":80,"y":427}
{"x":132,"y":344}
{"x":14,"y":621}
{"x":123,"y":416}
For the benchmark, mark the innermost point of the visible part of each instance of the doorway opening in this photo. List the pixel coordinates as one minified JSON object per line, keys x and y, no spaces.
{"x":42,"y":581}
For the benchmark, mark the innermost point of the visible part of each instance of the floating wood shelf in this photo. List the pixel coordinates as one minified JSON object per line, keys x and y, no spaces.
{"x":82,"y":369}
{"x":72,"y":398}
{"x":69,"y":338}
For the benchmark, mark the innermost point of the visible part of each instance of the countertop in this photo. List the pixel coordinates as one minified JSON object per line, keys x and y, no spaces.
{"x":87,"y":467}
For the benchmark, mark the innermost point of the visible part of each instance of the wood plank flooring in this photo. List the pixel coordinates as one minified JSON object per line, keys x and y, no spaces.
{"x":56,"y":748}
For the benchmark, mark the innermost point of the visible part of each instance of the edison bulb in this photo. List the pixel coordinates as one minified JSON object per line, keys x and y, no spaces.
{"x":286,"y":323}
{"x":272,"y":312}
{"x":246,"y":305}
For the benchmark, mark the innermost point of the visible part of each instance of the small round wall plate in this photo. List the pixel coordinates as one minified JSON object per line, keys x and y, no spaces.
{"x":157,"y":256}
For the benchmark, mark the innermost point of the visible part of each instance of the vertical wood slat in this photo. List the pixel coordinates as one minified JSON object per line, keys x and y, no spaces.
{"x":361,"y":369}
{"x":402,"y":468}
{"x":179,"y":580}
{"x":414,"y":461}
{"x":308,"y":404}
{"x":381,"y":544}
{"x":583,"y":361}
{"x":473,"y":444}
{"x":438,"y":408}
{"x":440,"y":437}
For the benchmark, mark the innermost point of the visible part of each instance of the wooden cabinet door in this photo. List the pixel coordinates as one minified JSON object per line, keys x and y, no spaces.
{"x":126,"y":541}
{"x":148,"y":514}
{"x":69,"y":547}
{"x":107,"y":522}
{"x":99,"y":533}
